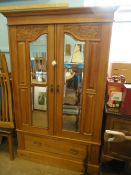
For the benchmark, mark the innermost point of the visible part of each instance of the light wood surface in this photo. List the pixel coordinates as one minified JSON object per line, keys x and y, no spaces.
{"x":54,"y":144}
{"x":32,"y":7}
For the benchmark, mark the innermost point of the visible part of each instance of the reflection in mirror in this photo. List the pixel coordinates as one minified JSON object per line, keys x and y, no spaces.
{"x":39,"y":88}
{"x":73,"y":77}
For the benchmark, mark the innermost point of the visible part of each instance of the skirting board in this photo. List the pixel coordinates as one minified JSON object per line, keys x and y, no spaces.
{"x":57,"y":161}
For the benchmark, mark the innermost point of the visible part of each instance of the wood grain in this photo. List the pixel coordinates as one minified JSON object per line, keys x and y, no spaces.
{"x":55,"y":145}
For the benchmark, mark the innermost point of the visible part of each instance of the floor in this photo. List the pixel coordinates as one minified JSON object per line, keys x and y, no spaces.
{"x":24,"y":167}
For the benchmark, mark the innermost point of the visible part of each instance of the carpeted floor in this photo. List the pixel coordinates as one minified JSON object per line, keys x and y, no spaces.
{"x":24,"y":167}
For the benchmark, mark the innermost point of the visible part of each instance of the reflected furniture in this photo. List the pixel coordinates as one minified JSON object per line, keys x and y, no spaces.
{"x":65,"y":129}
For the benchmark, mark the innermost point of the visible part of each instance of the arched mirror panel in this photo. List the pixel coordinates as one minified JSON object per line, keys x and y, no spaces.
{"x":39,"y":81}
{"x":73,"y":82}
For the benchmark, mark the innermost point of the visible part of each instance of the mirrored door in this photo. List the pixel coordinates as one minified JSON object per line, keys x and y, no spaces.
{"x":78,"y":54}
{"x":73,"y":82}
{"x":39,"y":81}
{"x":70,"y":80}
{"x":42,"y":80}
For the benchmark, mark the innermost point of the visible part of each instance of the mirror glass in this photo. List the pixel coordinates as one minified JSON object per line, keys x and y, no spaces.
{"x":73,"y":80}
{"x":39,"y":81}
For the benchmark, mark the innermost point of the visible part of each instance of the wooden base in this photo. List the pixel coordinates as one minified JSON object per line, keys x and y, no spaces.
{"x":49,"y":159}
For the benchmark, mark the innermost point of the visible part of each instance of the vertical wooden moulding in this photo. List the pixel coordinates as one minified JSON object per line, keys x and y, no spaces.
{"x":95,"y":154}
{"x":24,"y":106}
{"x":89,"y":114}
{"x":93,"y":63}
{"x":14,"y":63}
{"x":90,"y":87}
{"x":102,"y":74}
{"x":60,"y":69}
{"x":50,"y":75}
{"x":28,"y":76}
{"x":20,"y":139}
{"x":22,"y":63}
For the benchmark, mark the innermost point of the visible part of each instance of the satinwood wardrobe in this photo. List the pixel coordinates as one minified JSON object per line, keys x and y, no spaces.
{"x":59,"y":63}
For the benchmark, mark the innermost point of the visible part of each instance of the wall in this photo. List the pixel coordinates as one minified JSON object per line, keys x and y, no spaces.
{"x":28,"y":2}
{"x":4,"y":46}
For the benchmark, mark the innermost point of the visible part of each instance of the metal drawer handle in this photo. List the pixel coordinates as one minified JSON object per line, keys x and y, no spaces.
{"x":74,"y":151}
{"x":37,"y":143}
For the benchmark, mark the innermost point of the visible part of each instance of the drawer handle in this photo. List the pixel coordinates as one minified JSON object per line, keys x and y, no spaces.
{"x":58,"y":88}
{"x":51,"y":88}
{"x":74,"y":151}
{"x":37,"y":143}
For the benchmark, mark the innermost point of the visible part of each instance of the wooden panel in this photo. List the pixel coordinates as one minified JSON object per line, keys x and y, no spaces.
{"x":20,"y":140}
{"x":121,"y":125}
{"x":90,"y":87}
{"x":101,"y":80}
{"x":89,"y":114}
{"x":22,"y":63}
{"x":65,"y":148}
{"x":57,"y":19}
{"x":50,"y":74}
{"x":92,"y":65}
{"x":24,"y":106}
{"x":30,"y":32}
{"x":120,"y":150}
{"x":56,"y":160}
{"x":51,"y":159}
{"x":94,"y":154}
{"x":33,"y":6}
{"x":59,"y":81}
{"x":15,"y":73}
{"x":84,"y":31}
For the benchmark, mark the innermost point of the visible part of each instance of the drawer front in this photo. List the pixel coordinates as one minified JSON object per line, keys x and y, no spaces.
{"x":39,"y":144}
{"x":121,"y":149}
{"x":119,"y":125}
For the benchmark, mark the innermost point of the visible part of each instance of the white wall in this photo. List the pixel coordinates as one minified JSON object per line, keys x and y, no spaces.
{"x":4,"y":45}
{"x":3,"y":22}
{"x":27,"y":2}
{"x":3,"y":33}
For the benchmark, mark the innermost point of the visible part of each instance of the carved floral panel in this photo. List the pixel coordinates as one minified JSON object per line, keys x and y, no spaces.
{"x":84,"y":31}
{"x":30,"y":32}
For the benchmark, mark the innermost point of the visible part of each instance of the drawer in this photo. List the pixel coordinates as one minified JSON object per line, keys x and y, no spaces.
{"x":120,"y":150}
{"x":39,"y":144}
{"x":119,"y":125}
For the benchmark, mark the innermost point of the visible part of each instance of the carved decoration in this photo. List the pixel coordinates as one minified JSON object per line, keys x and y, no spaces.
{"x":30,"y":32}
{"x":84,"y":31}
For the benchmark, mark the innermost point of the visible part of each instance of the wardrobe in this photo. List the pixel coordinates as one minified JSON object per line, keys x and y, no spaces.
{"x":59,"y":61}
